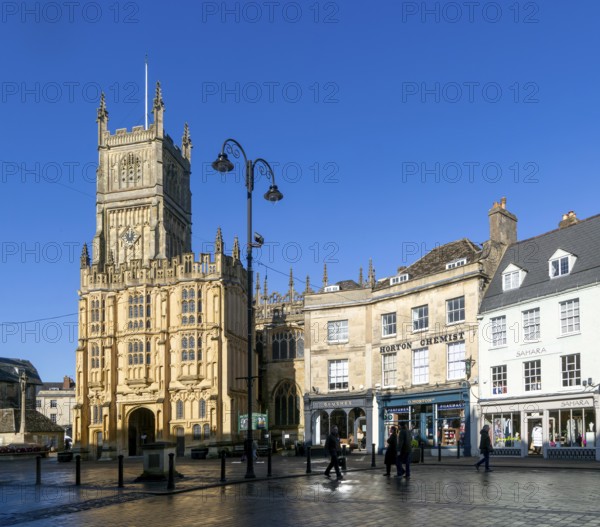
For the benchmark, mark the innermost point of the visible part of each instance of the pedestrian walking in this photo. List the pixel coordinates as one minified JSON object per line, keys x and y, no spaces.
{"x":391,"y":452}
{"x":404,"y":451}
{"x":332,"y":446}
{"x":486,"y":448}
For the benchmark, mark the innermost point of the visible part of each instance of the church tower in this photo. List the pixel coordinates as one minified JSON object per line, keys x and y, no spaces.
{"x":162,"y":348}
{"x":143,"y":208}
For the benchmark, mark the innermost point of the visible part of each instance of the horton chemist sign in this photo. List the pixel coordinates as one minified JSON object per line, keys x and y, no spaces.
{"x":259,"y":422}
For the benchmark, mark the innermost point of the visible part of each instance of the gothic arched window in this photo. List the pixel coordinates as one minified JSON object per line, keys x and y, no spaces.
{"x":287,"y":405}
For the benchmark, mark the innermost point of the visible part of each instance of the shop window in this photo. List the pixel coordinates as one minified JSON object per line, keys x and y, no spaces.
{"x":505,"y":429}
{"x":571,"y":428}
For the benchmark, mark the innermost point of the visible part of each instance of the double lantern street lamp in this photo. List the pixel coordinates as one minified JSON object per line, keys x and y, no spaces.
{"x":223,"y":164}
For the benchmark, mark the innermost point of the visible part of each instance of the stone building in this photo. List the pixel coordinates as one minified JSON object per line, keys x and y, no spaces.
{"x":280,"y":346}
{"x":162,"y":334}
{"x":538,"y":334}
{"x":404,"y":348}
{"x":19,"y":380}
{"x":56,"y":400}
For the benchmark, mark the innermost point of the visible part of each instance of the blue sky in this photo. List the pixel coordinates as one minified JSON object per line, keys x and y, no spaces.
{"x":392,"y":127}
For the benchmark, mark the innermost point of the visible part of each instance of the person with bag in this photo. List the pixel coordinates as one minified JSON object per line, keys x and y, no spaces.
{"x":391,"y":451}
{"x":486,"y":448}
{"x":404,"y":450}
{"x":332,"y":446}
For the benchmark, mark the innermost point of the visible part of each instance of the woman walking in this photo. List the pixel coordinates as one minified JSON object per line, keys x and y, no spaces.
{"x":391,"y":452}
{"x":485,"y":447}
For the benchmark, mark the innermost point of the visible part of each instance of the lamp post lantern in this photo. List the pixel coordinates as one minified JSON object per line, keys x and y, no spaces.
{"x":223,"y":164}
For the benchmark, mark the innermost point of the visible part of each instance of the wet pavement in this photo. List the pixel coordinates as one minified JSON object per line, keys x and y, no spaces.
{"x":518,"y":492}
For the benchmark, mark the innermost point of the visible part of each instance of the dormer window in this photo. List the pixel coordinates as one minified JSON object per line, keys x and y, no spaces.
{"x":512,"y":277}
{"x":399,"y":279}
{"x":456,"y":263}
{"x":561,"y":263}
{"x":331,"y":288}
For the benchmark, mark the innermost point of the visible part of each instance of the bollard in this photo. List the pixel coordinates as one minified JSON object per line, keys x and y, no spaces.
{"x":458,"y":449}
{"x":38,"y":470}
{"x":269,"y":461}
{"x":422,"y":444}
{"x":372,"y":455}
{"x":120,"y":470}
{"x":308,"y":466}
{"x":343,"y":459}
{"x":77,"y":469}
{"x":439,"y":451}
{"x":171,"y":482}
{"x":223,"y":454}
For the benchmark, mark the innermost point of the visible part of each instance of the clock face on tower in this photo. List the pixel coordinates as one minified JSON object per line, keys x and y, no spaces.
{"x":130,"y":237}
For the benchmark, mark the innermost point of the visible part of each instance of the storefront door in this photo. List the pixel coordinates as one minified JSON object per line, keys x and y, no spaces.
{"x":428,"y":429}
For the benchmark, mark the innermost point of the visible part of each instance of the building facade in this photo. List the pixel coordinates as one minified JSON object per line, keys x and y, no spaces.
{"x":538,"y":336}
{"x":56,"y":401}
{"x":162,"y":333}
{"x":403,"y":349}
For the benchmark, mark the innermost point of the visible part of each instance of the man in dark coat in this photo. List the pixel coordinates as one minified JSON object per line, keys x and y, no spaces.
{"x":404,"y":449}
{"x":391,"y":451}
{"x":332,"y":446}
{"x":485,"y":447}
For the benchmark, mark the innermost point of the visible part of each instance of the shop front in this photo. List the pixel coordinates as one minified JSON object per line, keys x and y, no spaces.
{"x":351,"y":413}
{"x":436,"y":419}
{"x":550,"y":427}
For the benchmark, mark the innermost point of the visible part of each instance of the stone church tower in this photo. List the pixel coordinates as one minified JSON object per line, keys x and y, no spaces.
{"x":162,"y":343}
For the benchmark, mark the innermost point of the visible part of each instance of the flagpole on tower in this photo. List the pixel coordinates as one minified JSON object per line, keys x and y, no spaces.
{"x":146,"y":97}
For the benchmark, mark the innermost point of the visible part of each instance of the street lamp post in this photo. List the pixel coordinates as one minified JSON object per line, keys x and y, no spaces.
{"x":223,"y":164}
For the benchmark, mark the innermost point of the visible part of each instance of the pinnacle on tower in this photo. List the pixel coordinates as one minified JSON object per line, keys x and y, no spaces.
{"x":325,"y":275}
{"x":159,"y":110}
{"x":85,"y":257}
{"x":102,"y":120}
{"x":219,"y":242}
{"x":236,"y":249}
{"x":307,"y":289}
{"x":291,"y":285}
{"x":186,"y":143}
{"x":360,"y":277}
{"x":371,"y":278}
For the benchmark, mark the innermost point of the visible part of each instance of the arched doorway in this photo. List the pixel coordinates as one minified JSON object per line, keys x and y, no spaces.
{"x":141,"y":425}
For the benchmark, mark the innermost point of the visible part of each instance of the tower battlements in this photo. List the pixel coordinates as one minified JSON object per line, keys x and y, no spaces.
{"x":162,"y":272}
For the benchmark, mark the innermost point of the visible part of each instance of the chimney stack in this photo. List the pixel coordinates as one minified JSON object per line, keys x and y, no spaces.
{"x":503,"y":224}
{"x":568,"y":219}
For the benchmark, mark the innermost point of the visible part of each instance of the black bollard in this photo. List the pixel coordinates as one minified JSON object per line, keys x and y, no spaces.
{"x":269,"y":466}
{"x":120,"y":470}
{"x":38,"y":470}
{"x":308,"y":466}
{"x":458,"y":449}
{"x":343,"y":460}
{"x":373,"y":455}
{"x":223,"y":454}
{"x":171,"y":482}
{"x":422,"y":445}
{"x":439,"y":451}
{"x":77,"y":469}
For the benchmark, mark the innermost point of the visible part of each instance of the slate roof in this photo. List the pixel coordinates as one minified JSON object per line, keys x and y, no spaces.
{"x":35,"y":422}
{"x":10,"y":371}
{"x":435,"y":260}
{"x":581,"y":239}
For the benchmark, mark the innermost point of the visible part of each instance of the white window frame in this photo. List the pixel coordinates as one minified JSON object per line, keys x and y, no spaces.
{"x":399,"y":279}
{"x":420,"y":315}
{"x":456,"y":263}
{"x":570,"y":366}
{"x":388,"y":369}
{"x":498,"y":329}
{"x":337,"y":374}
{"x":531,"y":325}
{"x":337,"y":331}
{"x":532,"y":375}
{"x":569,"y":314}
{"x":388,"y":325}
{"x":512,"y":277}
{"x":420,"y":366}
{"x":499,"y":377}
{"x":561,"y":264}
{"x":452,"y":310}
{"x":456,"y":353}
